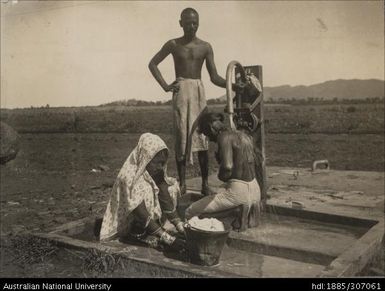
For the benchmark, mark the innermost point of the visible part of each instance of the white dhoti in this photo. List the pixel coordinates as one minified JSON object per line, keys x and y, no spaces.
{"x":188,"y":105}
{"x":236,"y":192}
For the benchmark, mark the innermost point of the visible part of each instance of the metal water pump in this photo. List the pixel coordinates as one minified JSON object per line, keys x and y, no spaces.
{"x":246,"y":109}
{"x":246,"y":99}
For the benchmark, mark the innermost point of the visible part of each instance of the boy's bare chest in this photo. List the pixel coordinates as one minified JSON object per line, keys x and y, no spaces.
{"x":189,"y":52}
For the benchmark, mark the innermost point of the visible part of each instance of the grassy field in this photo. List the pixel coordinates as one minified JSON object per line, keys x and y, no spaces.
{"x":351,"y":136}
{"x":57,"y":177}
{"x":330,"y":119}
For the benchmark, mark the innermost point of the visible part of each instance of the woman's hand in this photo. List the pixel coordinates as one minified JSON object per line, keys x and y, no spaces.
{"x":173,"y":242}
{"x":167,"y":238}
{"x":180,"y":228}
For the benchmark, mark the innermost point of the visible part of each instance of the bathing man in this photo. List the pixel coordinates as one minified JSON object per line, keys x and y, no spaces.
{"x":189,"y":101}
{"x":237,"y":157}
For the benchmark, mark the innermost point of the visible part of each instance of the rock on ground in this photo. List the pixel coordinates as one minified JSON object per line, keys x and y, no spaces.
{"x":9,"y":143}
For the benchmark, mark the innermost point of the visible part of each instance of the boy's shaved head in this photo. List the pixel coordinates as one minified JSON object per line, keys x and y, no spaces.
{"x":188,"y":11}
{"x":189,"y":20}
{"x":207,"y":119}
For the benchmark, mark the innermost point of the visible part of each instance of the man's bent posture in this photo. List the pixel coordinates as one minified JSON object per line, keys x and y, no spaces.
{"x":237,"y":158}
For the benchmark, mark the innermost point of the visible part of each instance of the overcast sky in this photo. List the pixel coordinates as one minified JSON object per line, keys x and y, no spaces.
{"x":76,"y":53}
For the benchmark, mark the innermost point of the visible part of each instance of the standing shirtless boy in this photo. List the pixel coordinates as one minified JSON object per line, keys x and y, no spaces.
{"x":189,"y":101}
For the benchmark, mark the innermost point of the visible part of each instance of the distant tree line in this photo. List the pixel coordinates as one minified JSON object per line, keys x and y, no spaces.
{"x":321,"y":100}
{"x":273,"y":100}
{"x":133,"y":102}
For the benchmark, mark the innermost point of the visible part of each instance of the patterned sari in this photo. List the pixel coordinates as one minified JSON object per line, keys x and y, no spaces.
{"x":133,"y":186}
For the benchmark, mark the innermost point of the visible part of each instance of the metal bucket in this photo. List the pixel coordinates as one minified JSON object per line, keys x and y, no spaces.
{"x":205,"y":247}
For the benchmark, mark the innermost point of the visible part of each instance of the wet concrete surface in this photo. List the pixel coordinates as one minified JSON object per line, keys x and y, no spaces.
{"x":256,"y":265}
{"x":281,"y":246}
{"x":298,"y":239}
{"x":233,"y":262}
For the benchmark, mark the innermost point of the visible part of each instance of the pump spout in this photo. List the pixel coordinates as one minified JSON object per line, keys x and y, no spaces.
{"x":230,"y":105}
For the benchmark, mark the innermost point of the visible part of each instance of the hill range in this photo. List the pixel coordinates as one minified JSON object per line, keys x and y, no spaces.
{"x":336,"y":89}
{"x":340,"y":89}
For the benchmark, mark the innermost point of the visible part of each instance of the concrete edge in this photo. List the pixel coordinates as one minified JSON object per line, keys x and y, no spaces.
{"x":152,"y":266}
{"x":329,"y":217}
{"x":355,"y":258}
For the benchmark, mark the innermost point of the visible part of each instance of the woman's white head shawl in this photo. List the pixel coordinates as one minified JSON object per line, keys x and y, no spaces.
{"x":134,"y":185}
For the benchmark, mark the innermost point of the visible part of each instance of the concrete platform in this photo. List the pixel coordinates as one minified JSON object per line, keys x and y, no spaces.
{"x":351,"y":193}
{"x":324,"y":238}
{"x":335,"y":198}
{"x":234,"y":263}
{"x":319,"y":242}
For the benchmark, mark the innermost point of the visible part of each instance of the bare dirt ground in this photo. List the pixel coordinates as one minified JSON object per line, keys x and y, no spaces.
{"x":58,"y":178}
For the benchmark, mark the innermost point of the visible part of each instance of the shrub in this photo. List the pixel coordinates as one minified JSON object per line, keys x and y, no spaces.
{"x":351,"y":109}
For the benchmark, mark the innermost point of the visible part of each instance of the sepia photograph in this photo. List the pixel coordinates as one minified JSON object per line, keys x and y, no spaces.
{"x":191,"y":139}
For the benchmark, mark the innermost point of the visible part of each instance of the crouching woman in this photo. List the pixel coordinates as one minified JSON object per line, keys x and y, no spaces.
{"x":144,"y":197}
